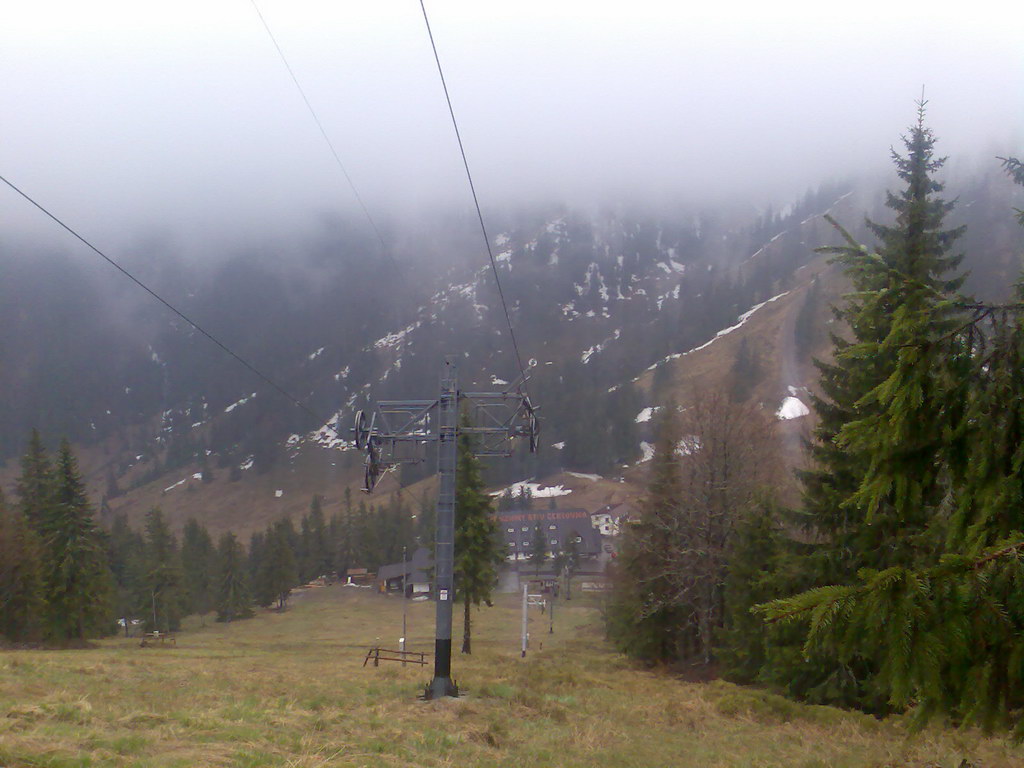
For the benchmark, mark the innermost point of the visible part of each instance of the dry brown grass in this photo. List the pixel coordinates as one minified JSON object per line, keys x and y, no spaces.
{"x":289,"y":690}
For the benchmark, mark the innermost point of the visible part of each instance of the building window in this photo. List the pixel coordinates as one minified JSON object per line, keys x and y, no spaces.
{"x":554,"y":542}
{"x":552,"y":527}
{"x":511,"y":530}
{"x":526,"y":528}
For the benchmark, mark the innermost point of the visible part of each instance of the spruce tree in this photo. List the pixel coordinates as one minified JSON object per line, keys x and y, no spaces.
{"x":35,"y":484}
{"x":872,"y":488}
{"x":643,"y":619}
{"x":570,"y":562}
{"x":21,"y":599}
{"x":478,"y":546}
{"x":278,"y":571}
{"x":944,"y":632}
{"x":77,"y":584}
{"x":344,"y":539}
{"x":257,"y":548}
{"x":902,"y":427}
{"x":125,"y":553}
{"x":198,"y":568}
{"x":162,"y":597}
{"x":319,"y":561}
{"x":758,"y":547}
{"x":304,"y":556}
{"x":904,"y":295}
{"x":233,"y":600}
{"x":365,"y":544}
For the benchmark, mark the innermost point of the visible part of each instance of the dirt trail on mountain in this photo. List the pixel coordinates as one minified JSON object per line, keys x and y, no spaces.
{"x":791,"y":373}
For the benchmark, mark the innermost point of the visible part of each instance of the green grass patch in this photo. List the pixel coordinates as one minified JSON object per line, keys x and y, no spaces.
{"x":290,"y":690}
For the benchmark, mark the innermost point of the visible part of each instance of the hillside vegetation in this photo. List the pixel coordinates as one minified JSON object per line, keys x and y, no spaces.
{"x":290,"y":690}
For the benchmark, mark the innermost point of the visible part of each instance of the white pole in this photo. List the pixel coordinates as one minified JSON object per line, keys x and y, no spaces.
{"x":404,"y":635}
{"x":525,"y":604}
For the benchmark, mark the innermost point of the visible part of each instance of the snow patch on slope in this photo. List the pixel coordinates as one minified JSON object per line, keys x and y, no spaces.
{"x":243,"y":401}
{"x":585,"y":476}
{"x":396,"y":338}
{"x":646,"y":414}
{"x":536,"y":490}
{"x":327,"y":436}
{"x":792,"y":408}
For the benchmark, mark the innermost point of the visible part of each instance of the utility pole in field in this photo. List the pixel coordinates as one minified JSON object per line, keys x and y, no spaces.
{"x":396,"y":433}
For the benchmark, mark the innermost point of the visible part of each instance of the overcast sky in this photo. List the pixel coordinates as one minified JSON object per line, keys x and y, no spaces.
{"x":179,"y":118}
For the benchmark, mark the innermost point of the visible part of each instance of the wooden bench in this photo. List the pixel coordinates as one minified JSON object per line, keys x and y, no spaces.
{"x":378,"y":654}
{"x":157,"y":640}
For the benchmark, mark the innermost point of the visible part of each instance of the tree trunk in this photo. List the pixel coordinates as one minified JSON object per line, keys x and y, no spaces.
{"x":466,"y":629}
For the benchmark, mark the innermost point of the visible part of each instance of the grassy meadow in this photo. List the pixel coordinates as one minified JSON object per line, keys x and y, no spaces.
{"x":290,"y":690}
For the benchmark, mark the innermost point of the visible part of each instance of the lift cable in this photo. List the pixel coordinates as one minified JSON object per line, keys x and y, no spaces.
{"x":323,"y":132}
{"x":476,"y":201}
{"x":252,"y":368}
{"x":163,"y":301}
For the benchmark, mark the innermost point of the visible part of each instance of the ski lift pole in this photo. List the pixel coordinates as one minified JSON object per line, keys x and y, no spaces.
{"x":444,"y":555}
{"x":392,"y":436}
{"x":525,"y":633}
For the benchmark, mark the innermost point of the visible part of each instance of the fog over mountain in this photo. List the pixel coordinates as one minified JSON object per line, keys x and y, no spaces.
{"x":649,"y":175}
{"x":180,"y":123}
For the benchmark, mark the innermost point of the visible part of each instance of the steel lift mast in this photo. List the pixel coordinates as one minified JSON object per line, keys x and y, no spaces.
{"x":395,"y":433}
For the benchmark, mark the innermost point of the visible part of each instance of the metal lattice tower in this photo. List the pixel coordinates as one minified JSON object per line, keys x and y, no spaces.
{"x":395,"y":434}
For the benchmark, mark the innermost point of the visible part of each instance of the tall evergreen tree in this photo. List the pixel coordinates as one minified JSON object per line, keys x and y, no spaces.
{"x":278,"y":570}
{"x":524,"y":499}
{"x":643,"y":620}
{"x":76,"y":578}
{"x":21,"y":599}
{"x":233,"y":600}
{"x":125,"y":553}
{"x":944,"y":631}
{"x":681,"y":548}
{"x":873,"y":488}
{"x":478,"y":546}
{"x":319,"y":560}
{"x":198,"y":566}
{"x":344,"y":538}
{"x":162,"y":596}
{"x":365,"y":545}
{"x":897,"y":289}
{"x":758,"y":554}
{"x":254,"y":559}
{"x":304,"y":556}
{"x":35,"y":484}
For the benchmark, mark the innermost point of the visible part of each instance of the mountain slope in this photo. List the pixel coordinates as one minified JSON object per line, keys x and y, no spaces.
{"x":616,"y":313}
